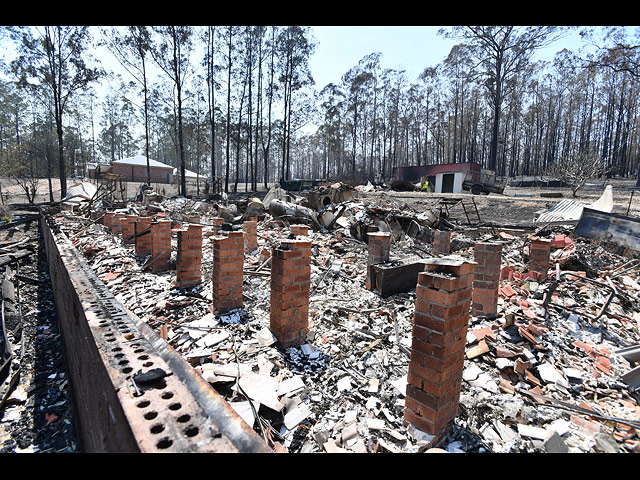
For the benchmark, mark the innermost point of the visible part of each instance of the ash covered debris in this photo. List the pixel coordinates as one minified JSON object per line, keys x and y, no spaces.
{"x":36,"y":411}
{"x":542,"y":373}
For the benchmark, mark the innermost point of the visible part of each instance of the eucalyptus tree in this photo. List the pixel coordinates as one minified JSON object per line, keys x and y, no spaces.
{"x":510,"y":140}
{"x":332,"y":101}
{"x":476,"y":120}
{"x":266,"y":51}
{"x":54,"y":57}
{"x":457,"y":69}
{"x":163,"y":124}
{"x":617,"y":50}
{"x":242,"y":72}
{"x":295,"y":46}
{"x":42,"y":99}
{"x":573,"y":78}
{"x":617,"y":57}
{"x":196,"y":119}
{"x":131,"y":46}
{"x":15,"y":143}
{"x":227,"y":36}
{"x":11,"y":105}
{"x":77,"y":137}
{"x":251,"y":59}
{"x":371,"y":64}
{"x":386,"y":101}
{"x":500,"y":52}
{"x":304,"y":112}
{"x":355,"y":82}
{"x":108,"y":123}
{"x":588,"y":80}
{"x":209,"y":62}
{"x":416,"y":121}
{"x":172,"y":53}
{"x":395,"y":82}
{"x":118,"y":120}
{"x":536,"y":119}
{"x":619,"y":93}
{"x":90,"y":98}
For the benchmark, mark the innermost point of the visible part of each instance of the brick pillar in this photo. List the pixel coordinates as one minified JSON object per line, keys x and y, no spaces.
{"x":486,"y":279}
{"x":116,"y":223}
{"x":441,"y":242}
{"x":216,"y":223}
{"x":160,"y":245}
{"x":189,"y":256}
{"x":226,"y":275}
{"x":539,"y":254}
{"x":378,"y":252}
{"x":143,"y":242}
{"x":129,"y":229}
{"x":290,"y":287}
{"x":250,"y":229}
{"x":107,"y":220}
{"x":299,"y":230}
{"x":443,"y":295}
{"x":97,"y":215}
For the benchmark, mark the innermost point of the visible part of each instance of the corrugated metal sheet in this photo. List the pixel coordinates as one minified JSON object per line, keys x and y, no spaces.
{"x":564,"y":211}
{"x":569,"y":211}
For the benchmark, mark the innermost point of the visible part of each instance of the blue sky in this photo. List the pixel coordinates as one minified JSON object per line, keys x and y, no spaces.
{"x":412,"y":48}
{"x":339,"y":48}
{"x":342,"y":47}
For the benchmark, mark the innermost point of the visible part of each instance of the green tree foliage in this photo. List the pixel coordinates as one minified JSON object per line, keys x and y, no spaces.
{"x":55,"y":57}
{"x":244,"y":94}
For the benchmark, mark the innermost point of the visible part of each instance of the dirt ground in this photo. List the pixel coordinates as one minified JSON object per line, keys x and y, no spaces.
{"x":13,"y":193}
{"x":517,"y":206}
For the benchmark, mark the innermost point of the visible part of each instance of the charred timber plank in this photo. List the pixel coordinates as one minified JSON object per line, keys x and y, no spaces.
{"x":391,"y":278}
{"x":13,"y":257}
{"x":20,"y":221}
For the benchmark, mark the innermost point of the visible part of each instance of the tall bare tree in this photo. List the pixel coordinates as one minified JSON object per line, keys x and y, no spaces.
{"x":295,"y":47}
{"x":500,"y":53}
{"x":172,"y":55}
{"x":209,"y":61}
{"x":131,"y":48}
{"x":269,"y":93}
{"x":228,"y":39}
{"x":355,"y":81}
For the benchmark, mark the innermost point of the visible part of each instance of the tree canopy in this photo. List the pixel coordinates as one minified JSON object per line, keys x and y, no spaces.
{"x":236,"y":103}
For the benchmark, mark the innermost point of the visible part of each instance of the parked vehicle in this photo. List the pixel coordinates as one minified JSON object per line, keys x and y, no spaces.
{"x":483,"y":183}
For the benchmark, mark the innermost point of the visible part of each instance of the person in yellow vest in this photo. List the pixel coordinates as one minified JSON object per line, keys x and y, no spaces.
{"x":425,"y":186}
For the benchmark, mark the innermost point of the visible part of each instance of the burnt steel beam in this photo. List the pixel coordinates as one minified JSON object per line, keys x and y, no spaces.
{"x":609,"y":227}
{"x":131,"y":391}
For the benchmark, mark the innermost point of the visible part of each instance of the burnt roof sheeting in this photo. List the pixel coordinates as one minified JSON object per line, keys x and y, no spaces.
{"x":570,"y":211}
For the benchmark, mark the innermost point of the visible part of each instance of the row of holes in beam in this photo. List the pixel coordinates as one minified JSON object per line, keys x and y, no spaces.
{"x":156,"y":428}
